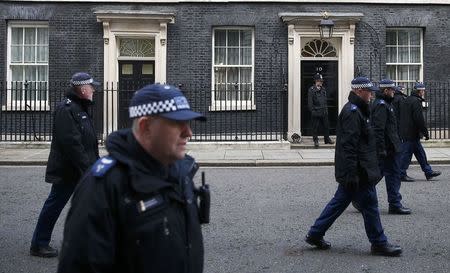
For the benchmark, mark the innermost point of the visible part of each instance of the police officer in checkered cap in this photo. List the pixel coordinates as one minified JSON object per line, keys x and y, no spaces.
{"x":143,"y":204}
{"x":357,"y":173}
{"x":385,"y":126}
{"x":413,"y":128}
{"x":73,"y":150}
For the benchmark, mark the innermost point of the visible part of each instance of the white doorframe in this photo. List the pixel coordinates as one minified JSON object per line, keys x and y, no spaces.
{"x":126,"y":24}
{"x":305,"y":26}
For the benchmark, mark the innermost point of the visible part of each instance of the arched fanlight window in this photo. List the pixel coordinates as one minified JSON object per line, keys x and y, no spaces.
{"x":137,"y":47}
{"x":319,"y":48}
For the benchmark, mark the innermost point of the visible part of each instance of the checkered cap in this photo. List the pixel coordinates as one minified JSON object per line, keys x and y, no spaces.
{"x":163,"y":100}
{"x":386,"y":83}
{"x":82,"y":78}
{"x":363,"y":83}
{"x":419,"y":86}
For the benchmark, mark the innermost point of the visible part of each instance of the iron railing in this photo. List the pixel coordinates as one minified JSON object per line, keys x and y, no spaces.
{"x":234,"y":113}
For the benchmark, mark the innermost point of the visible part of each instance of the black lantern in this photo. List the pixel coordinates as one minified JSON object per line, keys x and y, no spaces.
{"x":326,"y":27}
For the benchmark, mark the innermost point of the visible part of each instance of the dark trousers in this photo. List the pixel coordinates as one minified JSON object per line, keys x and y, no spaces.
{"x":366,"y":199}
{"x":56,"y":200}
{"x":315,"y":123}
{"x":389,"y":167}
{"x":410,"y":147}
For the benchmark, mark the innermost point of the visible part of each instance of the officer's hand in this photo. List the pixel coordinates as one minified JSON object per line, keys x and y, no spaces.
{"x":351,"y":182}
{"x":427,"y":137}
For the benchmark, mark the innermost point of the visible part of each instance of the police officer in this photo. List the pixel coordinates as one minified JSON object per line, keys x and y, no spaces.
{"x":412,"y":129}
{"x":317,"y":105}
{"x":388,"y":144}
{"x":73,"y":149}
{"x":136,"y":210}
{"x":356,"y":171}
{"x":397,"y":103}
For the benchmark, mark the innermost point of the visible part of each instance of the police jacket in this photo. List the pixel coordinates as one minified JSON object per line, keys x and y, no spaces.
{"x":355,"y":154}
{"x":384,"y":124}
{"x":74,"y":144}
{"x":317,"y":101}
{"x":397,"y":103}
{"x":412,"y":122}
{"x":132,"y":214}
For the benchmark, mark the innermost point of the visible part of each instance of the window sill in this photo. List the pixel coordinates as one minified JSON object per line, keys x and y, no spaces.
{"x":22,"y":108}
{"x":217,"y":107}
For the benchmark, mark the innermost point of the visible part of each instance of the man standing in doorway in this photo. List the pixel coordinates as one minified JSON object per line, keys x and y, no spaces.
{"x":317,"y":105}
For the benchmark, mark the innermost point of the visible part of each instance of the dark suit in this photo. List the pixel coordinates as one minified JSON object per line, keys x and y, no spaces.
{"x":317,"y":105}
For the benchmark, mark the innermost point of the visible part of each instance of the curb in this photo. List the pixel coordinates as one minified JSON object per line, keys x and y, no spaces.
{"x":243,"y":163}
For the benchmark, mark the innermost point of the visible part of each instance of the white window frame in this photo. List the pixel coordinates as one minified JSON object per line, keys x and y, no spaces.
{"x":23,"y":105}
{"x":232,"y":105}
{"x":409,"y":81}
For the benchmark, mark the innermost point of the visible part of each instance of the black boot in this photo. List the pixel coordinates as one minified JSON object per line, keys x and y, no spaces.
{"x":399,"y":210}
{"x":386,"y":250}
{"x":316,"y":143}
{"x":407,"y":178}
{"x":43,"y":251}
{"x":328,"y":141}
{"x":320,"y":243}
{"x":432,"y":174}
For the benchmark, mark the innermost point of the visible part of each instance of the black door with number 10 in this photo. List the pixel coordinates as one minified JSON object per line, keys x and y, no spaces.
{"x":133,"y":75}
{"x":329,"y":71}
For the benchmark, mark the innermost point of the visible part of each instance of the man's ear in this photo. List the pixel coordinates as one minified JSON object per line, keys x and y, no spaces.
{"x":143,"y":123}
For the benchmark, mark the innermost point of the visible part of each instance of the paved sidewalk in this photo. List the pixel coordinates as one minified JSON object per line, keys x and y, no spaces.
{"x":218,"y":154}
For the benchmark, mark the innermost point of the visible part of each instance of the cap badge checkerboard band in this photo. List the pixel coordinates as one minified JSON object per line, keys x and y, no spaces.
{"x":157,"y":107}
{"x":386,"y":83}
{"x":84,"y":82}
{"x":362,"y":85}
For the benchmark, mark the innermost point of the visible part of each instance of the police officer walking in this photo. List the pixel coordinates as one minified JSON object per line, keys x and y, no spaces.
{"x":317,"y":105}
{"x":73,"y":149}
{"x":388,"y":144}
{"x":356,"y":171}
{"x":137,"y":210}
{"x":412,"y":129}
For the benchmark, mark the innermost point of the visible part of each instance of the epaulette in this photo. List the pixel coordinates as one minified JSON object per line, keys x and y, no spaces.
{"x":68,"y":101}
{"x":381,"y":101}
{"x":353,"y":107}
{"x":102,"y":166}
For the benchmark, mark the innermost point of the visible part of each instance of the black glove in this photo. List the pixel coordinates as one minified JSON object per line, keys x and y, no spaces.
{"x":351,"y":182}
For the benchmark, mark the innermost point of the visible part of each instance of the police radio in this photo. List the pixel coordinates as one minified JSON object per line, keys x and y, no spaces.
{"x":205,"y":201}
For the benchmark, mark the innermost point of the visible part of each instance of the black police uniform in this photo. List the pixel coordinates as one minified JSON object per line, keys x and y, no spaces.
{"x":132,"y":214}
{"x":356,"y":171}
{"x":388,"y":146}
{"x":317,"y":105}
{"x":412,"y":129}
{"x":397,"y":103}
{"x":73,"y":149}
{"x":74,"y":146}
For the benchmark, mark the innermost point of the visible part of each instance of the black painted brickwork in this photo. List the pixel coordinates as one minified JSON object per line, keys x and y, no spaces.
{"x":76,"y":40}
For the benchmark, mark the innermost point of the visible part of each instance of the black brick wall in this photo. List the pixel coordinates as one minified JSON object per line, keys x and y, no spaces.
{"x":76,"y":42}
